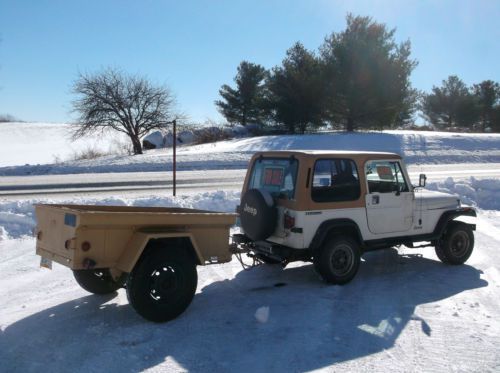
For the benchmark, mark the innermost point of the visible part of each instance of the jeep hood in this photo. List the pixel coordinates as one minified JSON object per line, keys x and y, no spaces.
{"x":430,"y":200}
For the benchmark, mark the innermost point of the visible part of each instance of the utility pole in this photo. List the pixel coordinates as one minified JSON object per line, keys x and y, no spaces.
{"x":174,"y":147}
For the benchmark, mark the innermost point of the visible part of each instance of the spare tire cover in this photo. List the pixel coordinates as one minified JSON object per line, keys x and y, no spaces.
{"x":258,"y":214}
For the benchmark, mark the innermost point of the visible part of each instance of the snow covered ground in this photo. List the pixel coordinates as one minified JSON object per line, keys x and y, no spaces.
{"x":405,"y":311}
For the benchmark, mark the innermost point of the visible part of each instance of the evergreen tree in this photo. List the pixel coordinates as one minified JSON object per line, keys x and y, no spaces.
{"x":367,"y":76}
{"x":487,"y":94}
{"x":495,"y":119}
{"x":296,"y":91}
{"x":450,"y":105}
{"x":408,"y":109}
{"x":244,"y":104}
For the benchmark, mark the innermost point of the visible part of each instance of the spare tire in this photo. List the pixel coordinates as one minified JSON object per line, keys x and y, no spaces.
{"x":258,"y":214}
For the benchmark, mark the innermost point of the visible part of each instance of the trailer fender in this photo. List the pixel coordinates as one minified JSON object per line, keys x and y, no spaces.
{"x":140,"y":240}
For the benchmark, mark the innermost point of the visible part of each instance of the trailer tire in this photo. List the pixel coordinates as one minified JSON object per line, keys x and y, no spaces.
{"x":97,"y":281}
{"x":162,"y":284}
{"x":456,"y":245}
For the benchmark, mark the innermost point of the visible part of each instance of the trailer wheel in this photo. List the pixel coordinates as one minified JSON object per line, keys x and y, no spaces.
{"x":456,"y":245}
{"x":338,"y":260}
{"x":97,"y":281}
{"x":163,"y":284}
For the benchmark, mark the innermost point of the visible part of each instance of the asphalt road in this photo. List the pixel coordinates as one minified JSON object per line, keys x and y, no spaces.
{"x":147,"y":183}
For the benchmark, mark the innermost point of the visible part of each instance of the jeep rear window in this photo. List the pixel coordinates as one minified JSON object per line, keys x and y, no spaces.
{"x":276,"y":175}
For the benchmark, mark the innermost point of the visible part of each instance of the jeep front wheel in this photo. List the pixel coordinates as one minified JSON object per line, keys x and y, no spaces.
{"x":338,"y":260}
{"x":456,"y":245}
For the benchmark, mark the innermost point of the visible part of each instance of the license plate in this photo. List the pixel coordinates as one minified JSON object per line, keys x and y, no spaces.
{"x":46,"y":263}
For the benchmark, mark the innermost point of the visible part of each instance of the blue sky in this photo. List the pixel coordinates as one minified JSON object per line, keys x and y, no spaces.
{"x":195,"y":46}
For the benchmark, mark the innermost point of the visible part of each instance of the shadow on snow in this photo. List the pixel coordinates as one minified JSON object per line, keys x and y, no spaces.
{"x":310,"y":326}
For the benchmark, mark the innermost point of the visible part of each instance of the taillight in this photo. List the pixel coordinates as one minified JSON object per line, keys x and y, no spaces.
{"x":86,"y":246}
{"x":288,"y":221}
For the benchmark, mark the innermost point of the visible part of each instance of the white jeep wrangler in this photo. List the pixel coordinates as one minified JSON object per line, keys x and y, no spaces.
{"x":329,"y":207}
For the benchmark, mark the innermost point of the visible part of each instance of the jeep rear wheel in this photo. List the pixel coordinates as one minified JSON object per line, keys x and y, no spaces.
{"x":338,"y":260}
{"x":456,"y":246}
{"x":163,"y":283}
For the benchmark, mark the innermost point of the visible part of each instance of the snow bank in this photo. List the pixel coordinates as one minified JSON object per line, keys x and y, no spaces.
{"x":17,"y":219}
{"x":484,"y":193}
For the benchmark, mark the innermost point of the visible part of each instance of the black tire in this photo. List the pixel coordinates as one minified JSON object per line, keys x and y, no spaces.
{"x":258,"y":214}
{"x":456,"y":245}
{"x":97,"y":281}
{"x":338,"y":260}
{"x":162,"y":284}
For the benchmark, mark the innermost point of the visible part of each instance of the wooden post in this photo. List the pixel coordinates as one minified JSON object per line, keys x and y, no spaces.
{"x":174,"y":159}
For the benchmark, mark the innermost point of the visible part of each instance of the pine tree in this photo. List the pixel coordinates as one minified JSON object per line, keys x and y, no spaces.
{"x":244,"y":104}
{"x":487,"y":94}
{"x":296,"y":91}
{"x":450,"y":105}
{"x":367,"y":75}
{"x":495,"y":119}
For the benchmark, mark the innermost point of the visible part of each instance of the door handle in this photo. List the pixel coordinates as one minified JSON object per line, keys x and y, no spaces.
{"x":375,"y":200}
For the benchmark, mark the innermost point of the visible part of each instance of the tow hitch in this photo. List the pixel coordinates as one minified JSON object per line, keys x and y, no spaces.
{"x":241,"y":246}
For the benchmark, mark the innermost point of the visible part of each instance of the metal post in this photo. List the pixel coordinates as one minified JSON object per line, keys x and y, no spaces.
{"x":175,"y":160}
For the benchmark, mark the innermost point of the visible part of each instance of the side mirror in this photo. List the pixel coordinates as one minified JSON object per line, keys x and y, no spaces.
{"x":421,"y":180}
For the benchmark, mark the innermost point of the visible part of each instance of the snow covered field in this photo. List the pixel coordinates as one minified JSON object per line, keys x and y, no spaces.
{"x":416,"y":147}
{"x":405,"y":311}
{"x":41,"y":143}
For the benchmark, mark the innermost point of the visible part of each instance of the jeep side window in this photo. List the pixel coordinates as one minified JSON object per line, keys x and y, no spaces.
{"x":385,"y":177}
{"x":335,"y":180}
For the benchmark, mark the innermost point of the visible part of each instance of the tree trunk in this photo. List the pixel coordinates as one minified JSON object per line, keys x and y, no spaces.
{"x":136,"y":143}
{"x":350,"y":124}
{"x":244,"y":117}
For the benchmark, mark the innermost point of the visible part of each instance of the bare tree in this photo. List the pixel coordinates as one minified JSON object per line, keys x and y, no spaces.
{"x":113,"y":100}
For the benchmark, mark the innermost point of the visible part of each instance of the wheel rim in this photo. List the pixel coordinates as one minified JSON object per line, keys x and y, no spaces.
{"x":459,"y":244}
{"x":342,"y":260}
{"x":165,"y":283}
{"x":99,"y":274}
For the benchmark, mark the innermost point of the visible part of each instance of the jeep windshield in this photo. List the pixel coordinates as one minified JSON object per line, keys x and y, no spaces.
{"x":276,"y":175}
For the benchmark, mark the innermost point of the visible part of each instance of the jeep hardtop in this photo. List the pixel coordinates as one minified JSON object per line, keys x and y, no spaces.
{"x":329,"y":207}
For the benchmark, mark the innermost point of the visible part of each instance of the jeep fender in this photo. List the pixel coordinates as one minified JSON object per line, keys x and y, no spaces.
{"x":139,"y":242}
{"x":448,"y":216}
{"x":329,"y":226}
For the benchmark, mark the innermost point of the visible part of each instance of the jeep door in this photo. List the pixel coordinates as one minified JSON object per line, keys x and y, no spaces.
{"x":389,"y":198}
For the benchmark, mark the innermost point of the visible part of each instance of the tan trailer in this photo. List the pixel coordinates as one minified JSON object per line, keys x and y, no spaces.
{"x":152,"y":251}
